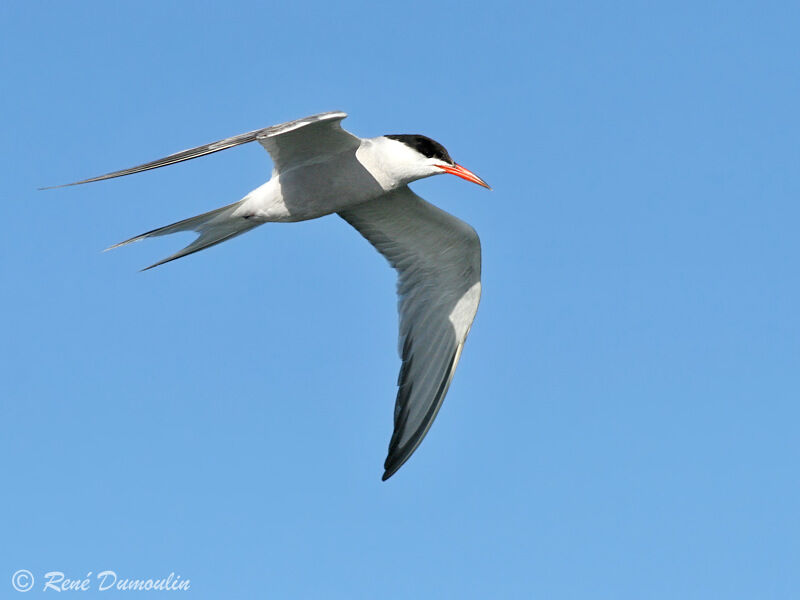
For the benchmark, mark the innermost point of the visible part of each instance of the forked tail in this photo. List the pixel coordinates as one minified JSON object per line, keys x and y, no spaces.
{"x":214,"y":227}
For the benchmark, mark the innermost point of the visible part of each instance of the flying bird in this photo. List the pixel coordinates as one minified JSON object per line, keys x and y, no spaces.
{"x":319,"y":169}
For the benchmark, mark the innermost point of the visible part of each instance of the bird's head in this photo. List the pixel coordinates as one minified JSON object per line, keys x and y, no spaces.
{"x":414,"y":157}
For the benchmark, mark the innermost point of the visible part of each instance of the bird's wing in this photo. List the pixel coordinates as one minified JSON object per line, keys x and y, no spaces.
{"x":438,"y":260}
{"x":299,"y":140}
{"x":307,"y":140}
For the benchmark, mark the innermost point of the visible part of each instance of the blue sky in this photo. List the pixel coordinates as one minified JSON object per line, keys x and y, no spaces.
{"x":623,"y":423}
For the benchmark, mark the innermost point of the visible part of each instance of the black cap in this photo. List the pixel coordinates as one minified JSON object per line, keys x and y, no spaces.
{"x":424,"y":145}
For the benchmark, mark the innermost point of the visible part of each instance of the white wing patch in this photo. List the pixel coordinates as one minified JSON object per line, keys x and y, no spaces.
{"x":464,"y":311}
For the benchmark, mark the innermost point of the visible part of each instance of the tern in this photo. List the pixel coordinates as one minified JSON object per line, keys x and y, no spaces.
{"x":320,"y":169}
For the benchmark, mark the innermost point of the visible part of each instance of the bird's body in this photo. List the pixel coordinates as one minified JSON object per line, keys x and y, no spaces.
{"x":315,"y":189}
{"x":320,"y":169}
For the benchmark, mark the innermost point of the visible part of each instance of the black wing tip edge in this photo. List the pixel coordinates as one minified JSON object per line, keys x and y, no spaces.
{"x":63,"y":185}
{"x":398,"y":457}
{"x":391,"y":469}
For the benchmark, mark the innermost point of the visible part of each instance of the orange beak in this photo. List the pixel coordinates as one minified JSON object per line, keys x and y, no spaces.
{"x":460,"y":171}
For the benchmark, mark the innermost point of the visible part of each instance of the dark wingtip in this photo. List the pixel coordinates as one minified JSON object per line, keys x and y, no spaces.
{"x":391,"y":469}
{"x":159,"y":263}
{"x":63,"y":185}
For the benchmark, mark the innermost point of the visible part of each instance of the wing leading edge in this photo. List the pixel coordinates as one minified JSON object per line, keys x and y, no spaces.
{"x":325,"y":135}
